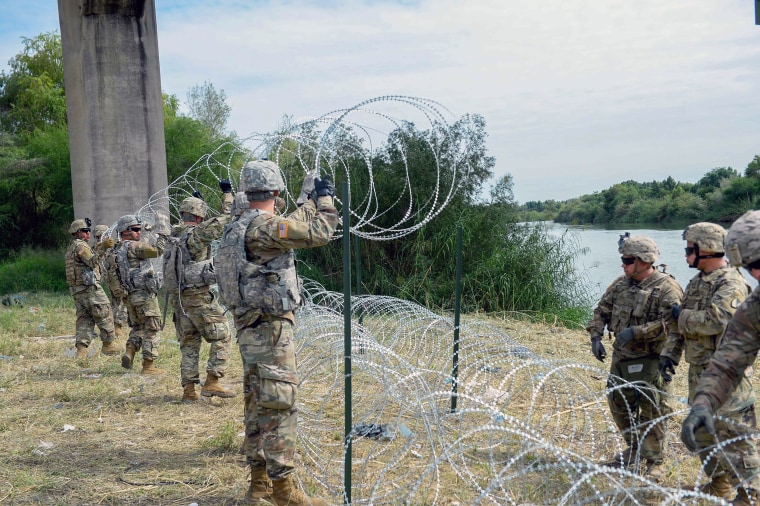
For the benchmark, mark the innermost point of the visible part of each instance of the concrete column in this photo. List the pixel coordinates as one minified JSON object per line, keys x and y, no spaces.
{"x":114,"y":105}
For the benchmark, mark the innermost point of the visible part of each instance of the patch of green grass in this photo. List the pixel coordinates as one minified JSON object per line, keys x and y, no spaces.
{"x":33,"y":270}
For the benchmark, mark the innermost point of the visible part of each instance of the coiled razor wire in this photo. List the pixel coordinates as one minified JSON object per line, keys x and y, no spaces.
{"x":528,"y":430}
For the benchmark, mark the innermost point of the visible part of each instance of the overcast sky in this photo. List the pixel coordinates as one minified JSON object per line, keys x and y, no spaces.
{"x":577,"y":94}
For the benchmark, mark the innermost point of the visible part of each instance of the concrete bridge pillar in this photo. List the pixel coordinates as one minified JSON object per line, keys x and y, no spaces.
{"x":114,"y":105}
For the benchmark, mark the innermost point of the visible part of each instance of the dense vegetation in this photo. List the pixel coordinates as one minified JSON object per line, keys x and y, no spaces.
{"x":721,"y":195}
{"x":507,"y":267}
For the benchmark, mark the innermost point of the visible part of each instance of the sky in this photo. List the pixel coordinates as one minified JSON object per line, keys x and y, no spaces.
{"x":577,"y":94}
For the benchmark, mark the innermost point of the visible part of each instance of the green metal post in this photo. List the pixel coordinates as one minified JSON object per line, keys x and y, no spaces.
{"x":457,"y":297}
{"x":347,"y":343}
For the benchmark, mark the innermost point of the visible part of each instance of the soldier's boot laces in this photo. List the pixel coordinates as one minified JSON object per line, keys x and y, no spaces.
{"x":81,"y":352}
{"x":212,"y":388}
{"x":746,"y":497}
{"x":128,"y":357}
{"x":260,"y":489}
{"x":189,"y":394}
{"x":285,"y":493}
{"x":109,"y":349}
{"x":149,"y":369}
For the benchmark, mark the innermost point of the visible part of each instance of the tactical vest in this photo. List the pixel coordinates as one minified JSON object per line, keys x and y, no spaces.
{"x":77,"y":273}
{"x":142,"y":277}
{"x":111,"y":270}
{"x":181,"y":271}
{"x":270,"y":288}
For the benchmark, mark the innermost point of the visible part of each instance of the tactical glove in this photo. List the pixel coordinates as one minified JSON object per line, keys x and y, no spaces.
{"x":225,"y":186}
{"x":675,"y":311}
{"x":307,"y":188}
{"x":107,"y":242}
{"x":597,"y":348}
{"x":667,"y":368}
{"x":323,"y":187}
{"x":699,"y":416}
{"x":624,"y":337}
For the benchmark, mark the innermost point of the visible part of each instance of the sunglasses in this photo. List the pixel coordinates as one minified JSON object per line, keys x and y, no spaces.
{"x":690,"y":250}
{"x":754,"y":265}
{"x":627,"y":260}
{"x":84,"y":230}
{"x":135,"y":229}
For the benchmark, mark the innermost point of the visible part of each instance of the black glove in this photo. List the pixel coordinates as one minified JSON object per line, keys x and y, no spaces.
{"x":699,"y":416}
{"x":323,"y":187}
{"x":197,"y":194}
{"x":88,"y":221}
{"x":675,"y":311}
{"x":597,"y":348}
{"x":225,"y":186}
{"x":624,"y":337}
{"x":667,"y":368}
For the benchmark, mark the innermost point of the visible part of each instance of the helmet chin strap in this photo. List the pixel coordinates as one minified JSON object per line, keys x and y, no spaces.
{"x":698,"y":257}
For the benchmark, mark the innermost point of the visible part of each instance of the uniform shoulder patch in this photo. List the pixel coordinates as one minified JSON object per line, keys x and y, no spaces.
{"x":282,"y":230}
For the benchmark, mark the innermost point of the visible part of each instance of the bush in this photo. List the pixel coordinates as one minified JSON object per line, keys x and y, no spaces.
{"x":33,"y":270}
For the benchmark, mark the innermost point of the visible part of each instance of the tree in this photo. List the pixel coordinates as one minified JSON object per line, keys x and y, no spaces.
{"x":753,"y":168}
{"x":209,"y":107}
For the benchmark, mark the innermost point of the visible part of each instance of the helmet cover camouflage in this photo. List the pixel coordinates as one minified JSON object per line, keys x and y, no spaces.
{"x":743,"y":240}
{"x":240,"y":204}
{"x":194,"y":205}
{"x":640,"y":247}
{"x":77,"y":225}
{"x":99,"y":230}
{"x":261,"y":176}
{"x":126,"y":221}
{"x":708,"y":236}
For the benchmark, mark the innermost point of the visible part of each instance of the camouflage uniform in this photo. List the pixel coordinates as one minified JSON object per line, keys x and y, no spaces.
{"x":197,"y":313}
{"x":118,"y":307}
{"x":92,"y":307}
{"x":645,"y":306}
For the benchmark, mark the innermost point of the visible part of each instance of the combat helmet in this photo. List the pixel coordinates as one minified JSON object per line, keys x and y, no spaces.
{"x":99,"y":230}
{"x":708,"y":236}
{"x":259,"y":179}
{"x":126,"y":221}
{"x":194,"y":206}
{"x":79,"y":224}
{"x":640,"y":247}
{"x":743,"y":240}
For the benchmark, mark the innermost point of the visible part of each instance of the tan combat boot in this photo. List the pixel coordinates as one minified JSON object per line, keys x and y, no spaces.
{"x":81,"y":352}
{"x":260,"y":488}
{"x":212,"y":388}
{"x":149,"y":369}
{"x":119,"y":331}
{"x":128,"y":357}
{"x":746,"y":497}
{"x":720,"y":486}
{"x":109,"y":349}
{"x":285,"y":493}
{"x":189,"y":394}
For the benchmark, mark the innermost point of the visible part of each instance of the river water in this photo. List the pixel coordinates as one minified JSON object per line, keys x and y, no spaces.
{"x":601,"y":264}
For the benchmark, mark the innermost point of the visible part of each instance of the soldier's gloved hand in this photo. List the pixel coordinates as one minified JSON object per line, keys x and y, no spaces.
{"x":699,"y":416}
{"x":107,"y":242}
{"x":597,"y":348}
{"x":225,"y":185}
{"x":625,"y":336}
{"x":667,"y":368}
{"x":88,"y":221}
{"x":675,"y":310}
{"x":197,"y":194}
{"x":323,"y":187}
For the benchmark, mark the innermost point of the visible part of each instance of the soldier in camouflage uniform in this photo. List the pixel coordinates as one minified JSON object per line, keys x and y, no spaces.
{"x":141,"y":284}
{"x":257,"y":280}
{"x":724,"y":388}
{"x":83,"y":278}
{"x":636,"y":307}
{"x":710,"y":300}
{"x":118,"y":307}
{"x":197,"y":313}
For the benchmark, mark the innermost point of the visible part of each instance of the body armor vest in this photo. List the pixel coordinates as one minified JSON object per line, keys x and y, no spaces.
{"x":140,"y":277}
{"x":77,"y":273}
{"x":181,"y":271}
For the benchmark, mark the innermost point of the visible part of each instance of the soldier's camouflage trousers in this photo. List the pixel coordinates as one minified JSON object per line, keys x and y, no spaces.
{"x":144,"y":318}
{"x":93,"y":309}
{"x":634,"y":407}
{"x":202,"y":319}
{"x":120,"y":313}
{"x":270,"y":415}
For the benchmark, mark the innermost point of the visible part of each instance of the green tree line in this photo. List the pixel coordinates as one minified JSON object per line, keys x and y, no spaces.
{"x":721,"y":195}
{"x":507,"y":267}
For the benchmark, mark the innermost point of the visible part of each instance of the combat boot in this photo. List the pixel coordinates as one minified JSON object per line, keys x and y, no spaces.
{"x":119,"y":331}
{"x":81,"y":352}
{"x":212,"y":388}
{"x":190,"y":395}
{"x":148,"y":368}
{"x":746,"y":497}
{"x":285,"y":493}
{"x":260,"y":488}
{"x":129,"y":356}
{"x":109,"y":349}
{"x":719,"y":486}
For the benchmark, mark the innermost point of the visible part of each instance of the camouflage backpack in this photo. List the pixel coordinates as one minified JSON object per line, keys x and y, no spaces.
{"x":231,"y":260}
{"x":180,"y":271}
{"x":111,"y":270}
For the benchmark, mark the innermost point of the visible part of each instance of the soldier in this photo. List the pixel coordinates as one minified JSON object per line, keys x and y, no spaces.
{"x":710,"y":301}
{"x":636,"y":307}
{"x":257,"y":281}
{"x":118,"y":308}
{"x":724,"y":387}
{"x":188,"y":276}
{"x":140,"y":284}
{"x":83,"y":278}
